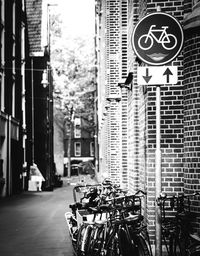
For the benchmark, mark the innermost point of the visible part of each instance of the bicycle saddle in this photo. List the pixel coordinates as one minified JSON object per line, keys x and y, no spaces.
{"x":75,"y":206}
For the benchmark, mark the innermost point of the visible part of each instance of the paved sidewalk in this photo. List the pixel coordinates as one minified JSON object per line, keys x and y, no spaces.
{"x":33,"y":223}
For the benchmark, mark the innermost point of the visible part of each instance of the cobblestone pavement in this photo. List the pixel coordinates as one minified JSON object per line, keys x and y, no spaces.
{"x":33,"y":223}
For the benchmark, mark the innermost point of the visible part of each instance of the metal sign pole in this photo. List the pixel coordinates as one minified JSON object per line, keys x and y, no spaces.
{"x":158,"y":241}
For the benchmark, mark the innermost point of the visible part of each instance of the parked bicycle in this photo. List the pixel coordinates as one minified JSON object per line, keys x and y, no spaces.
{"x":127,"y":234}
{"x":176,"y":226}
{"x":113,"y":226}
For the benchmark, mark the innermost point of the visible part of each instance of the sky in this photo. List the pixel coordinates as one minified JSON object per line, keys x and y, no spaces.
{"x":78,"y":16}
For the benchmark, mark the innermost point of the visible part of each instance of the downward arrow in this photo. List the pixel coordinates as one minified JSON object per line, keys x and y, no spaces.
{"x":147,"y":77}
{"x":167,"y":73}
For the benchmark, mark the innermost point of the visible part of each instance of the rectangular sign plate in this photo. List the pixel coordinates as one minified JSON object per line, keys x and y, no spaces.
{"x":152,"y":75}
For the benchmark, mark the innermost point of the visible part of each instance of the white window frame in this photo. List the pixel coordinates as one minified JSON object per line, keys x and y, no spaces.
{"x":13,"y":56}
{"x":13,"y":98}
{"x":77,"y":152}
{"x":2,"y":92}
{"x":77,"y":131}
{"x":92,"y":148}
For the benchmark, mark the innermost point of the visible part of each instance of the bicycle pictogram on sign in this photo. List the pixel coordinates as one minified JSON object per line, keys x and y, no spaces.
{"x":168,"y":41}
{"x":157,"y":39}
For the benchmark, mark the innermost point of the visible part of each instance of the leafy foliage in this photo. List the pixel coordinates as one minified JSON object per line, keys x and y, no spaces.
{"x":72,"y":60}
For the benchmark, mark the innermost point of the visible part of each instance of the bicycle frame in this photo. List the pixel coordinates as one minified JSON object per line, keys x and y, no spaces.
{"x":176,"y":228}
{"x":128,"y":230}
{"x":163,"y":34}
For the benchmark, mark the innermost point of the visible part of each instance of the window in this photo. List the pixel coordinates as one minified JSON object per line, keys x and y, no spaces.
{"x":2,"y":58}
{"x":23,"y":5}
{"x":13,"y":99}
{"x":13,"y":58}
{"x":77,"y":131}
{"x":77,"y":149}
{"x":91,"y":148}
{"x":13,"y":17}
{"x":23,"y":74}
{"x":77,"y":121}
{"x":77,"y":127}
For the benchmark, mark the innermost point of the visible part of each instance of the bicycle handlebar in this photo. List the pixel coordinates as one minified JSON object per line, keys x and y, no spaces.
{"x":164,"y":196}
{"x":128,"y":196}
{"x":175,"y":200}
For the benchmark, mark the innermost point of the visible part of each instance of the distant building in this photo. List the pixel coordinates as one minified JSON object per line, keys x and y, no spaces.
{"x":82,"y":144}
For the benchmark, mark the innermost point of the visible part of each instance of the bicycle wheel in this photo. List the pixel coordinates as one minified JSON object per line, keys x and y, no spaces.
{"x":83,"y":239}
{"x":169,"y":42}
{"x":127,"y":246}
{"x":193,"y":250}
{"x":112,"y":247}
{"x":96,"y":241}
{"x":145,"y":42}
{"x":80,"y":239}
{"x":143,"y":246}
{"x":74,"y":240}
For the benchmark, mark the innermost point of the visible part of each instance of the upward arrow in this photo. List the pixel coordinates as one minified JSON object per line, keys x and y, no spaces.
{"x":167,"y":73}
{"x":147,"y":77}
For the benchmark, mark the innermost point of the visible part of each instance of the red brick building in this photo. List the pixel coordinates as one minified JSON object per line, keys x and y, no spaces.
{"x":127,"y":111}
{"x":81,"y":145}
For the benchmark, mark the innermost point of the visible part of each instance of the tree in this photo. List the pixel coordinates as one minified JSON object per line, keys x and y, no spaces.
{"x":72,"y":61}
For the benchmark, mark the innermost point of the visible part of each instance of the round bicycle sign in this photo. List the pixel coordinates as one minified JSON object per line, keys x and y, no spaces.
{"x":157,"y":38}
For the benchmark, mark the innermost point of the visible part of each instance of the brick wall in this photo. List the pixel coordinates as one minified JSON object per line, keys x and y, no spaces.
{"x":113,"y":67}
{"x":124,"y":107}
{"x":133,"y":99}
{"x":171,"y":122}
{"x":192,"y":112}
{"x":132,"y":121}
{"x":179,"y":116}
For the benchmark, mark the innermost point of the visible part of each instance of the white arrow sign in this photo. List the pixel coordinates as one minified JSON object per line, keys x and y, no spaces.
{"x":151,"y":75}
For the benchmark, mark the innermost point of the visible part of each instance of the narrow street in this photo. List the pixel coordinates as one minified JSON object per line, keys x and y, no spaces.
{"x":33,"y":223}
{"x":103,"y":91}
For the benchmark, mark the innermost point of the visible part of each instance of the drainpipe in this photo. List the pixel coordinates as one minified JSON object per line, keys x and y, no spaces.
{"x":9,"y":172}
{"x":33,"y":123}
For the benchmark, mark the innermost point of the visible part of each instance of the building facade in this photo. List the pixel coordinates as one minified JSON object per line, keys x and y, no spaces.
{"x":12,"y":95}
{"x":40,"y":92}
{"x":82,"y":150}
{"x":111,"y":51}
{"x":127,"y":111}
{"x":24,"y":120}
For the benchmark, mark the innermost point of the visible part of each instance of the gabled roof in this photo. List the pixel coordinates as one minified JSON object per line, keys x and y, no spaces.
{"x":34,"y":22}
